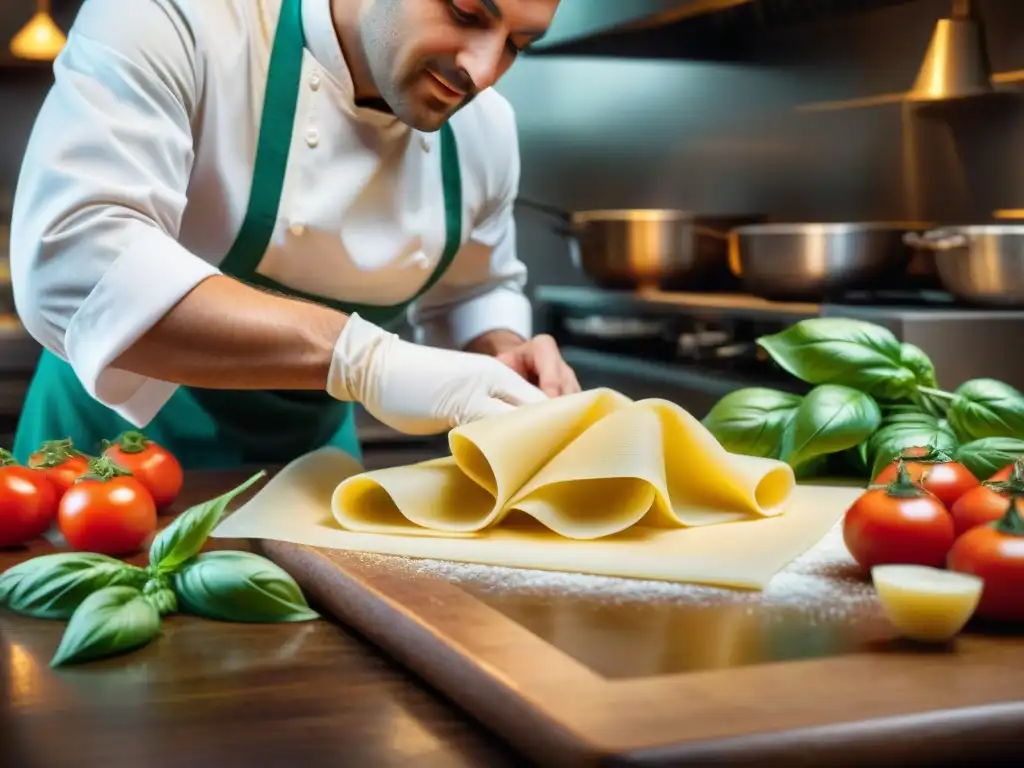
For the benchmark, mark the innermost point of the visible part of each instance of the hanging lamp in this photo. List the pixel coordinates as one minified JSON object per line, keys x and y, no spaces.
{"x":40,"y":39}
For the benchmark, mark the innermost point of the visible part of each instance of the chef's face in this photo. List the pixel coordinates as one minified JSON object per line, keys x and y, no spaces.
{"x":428,"y":58}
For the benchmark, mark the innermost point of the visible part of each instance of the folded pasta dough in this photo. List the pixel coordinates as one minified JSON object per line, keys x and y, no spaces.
{"x":585,"y":466}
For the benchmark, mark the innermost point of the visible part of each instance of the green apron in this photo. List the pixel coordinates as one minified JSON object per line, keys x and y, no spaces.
{"x":210,"y":428}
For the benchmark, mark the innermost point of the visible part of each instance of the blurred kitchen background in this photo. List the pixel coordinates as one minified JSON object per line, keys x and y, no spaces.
{"x":725,"y":112}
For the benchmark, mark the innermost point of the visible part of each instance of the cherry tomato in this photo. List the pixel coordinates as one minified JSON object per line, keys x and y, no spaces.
{"x":898,"y":523}
{"x":995,"y":553}
{"x":989,"y":501}
{"x":151,"y":464}
{"x":107,"y":511}
{"x":1004,"y":474}
{"x":934,"y":471}
{"x":28,"y":502}
{"x":980,"y":506}
{"x":62,"y":462}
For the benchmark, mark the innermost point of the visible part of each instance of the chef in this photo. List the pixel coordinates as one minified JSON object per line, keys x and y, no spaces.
{"x":225,"y":205}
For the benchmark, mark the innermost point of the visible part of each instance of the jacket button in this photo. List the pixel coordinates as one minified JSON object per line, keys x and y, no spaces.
{"x":312,"y":137}
{"x":314,"y":81}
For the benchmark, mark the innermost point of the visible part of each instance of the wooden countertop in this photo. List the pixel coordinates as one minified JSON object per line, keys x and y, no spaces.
{"x":229,"y":694}
{"x":223,"y":694}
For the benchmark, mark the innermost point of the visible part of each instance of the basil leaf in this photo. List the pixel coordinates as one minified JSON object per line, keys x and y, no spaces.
{"x":53,"y":586}
{"x":830,"y":419}
{"x":183,"y":538}
{"x":109,"y":622}
{"x":918,"y":418}
{"x":914,"y":358}
{"x":987,"y":456}
{"x":895,"y":437}
{"x":239,"y":586}
{"x":751,"y":421}
{"x":986,"y":408}
{"x":862,"y":455}
{"x":852,"y":353}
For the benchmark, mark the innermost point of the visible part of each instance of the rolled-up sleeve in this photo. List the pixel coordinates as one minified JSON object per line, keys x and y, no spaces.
{"x":94,"y":258}
{"x":483,"y":289}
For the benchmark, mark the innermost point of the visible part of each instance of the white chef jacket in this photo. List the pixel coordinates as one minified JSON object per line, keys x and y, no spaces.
{"x":137,"y":174}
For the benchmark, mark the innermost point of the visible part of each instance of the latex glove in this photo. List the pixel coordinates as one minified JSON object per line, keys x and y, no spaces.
{"x":421,"y":390}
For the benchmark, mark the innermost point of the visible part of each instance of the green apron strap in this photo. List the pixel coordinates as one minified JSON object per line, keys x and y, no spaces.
{"x":384,"y":315}
{"x":280,"y":102}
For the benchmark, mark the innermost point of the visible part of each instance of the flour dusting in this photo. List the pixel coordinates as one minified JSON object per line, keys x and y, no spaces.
{"x":823,"y":581}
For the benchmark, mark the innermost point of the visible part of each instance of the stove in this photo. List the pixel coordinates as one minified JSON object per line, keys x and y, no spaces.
{"x":693,"y":348}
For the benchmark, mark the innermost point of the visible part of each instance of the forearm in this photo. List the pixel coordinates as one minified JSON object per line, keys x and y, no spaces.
{"x":495,"y":342}
{"x":226,"y":335}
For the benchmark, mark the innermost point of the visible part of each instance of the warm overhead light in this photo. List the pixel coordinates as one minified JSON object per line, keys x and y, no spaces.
{"x":41,"y":39}
{"x":957,"y":63}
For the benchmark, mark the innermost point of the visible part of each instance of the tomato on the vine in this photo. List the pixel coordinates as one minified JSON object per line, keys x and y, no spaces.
{"x":934,"y":471}
{"x":995,"y":553}
{"x":28,"y":502}
{"x":151,"y":464}
{"x":107,"y":511}
{"x":988,"y":502}
{"x":900,"y":523}
{"x":61,"y":461}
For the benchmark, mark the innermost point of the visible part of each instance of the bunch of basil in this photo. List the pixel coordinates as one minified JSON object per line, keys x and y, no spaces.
{"x":872,"y":398}
{"x":113,"y":607}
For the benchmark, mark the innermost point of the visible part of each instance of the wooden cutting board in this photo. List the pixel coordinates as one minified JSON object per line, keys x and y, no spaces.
{"x":575,"y":670}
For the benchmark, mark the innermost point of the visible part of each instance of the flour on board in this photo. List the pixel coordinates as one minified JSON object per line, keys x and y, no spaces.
{"x":823,"y":579}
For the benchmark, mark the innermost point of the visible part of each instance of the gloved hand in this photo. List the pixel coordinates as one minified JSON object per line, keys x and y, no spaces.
{"x":421,"y":390}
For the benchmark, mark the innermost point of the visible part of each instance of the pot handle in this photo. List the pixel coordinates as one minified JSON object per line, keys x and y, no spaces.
{"x":565,"y":226}
{"x":937,"y":240}
{"x":709,"y":232}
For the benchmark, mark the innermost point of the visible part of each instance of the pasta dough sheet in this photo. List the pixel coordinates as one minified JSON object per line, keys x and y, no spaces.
{"x":295,"y":506}
{"x":584,"y":466}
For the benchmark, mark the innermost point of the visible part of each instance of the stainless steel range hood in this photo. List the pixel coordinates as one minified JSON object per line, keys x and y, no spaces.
{"x":579,"y":20}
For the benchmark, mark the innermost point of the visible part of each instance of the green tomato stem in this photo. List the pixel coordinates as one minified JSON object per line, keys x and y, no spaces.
{"x":7,"y":458}
{"x":1014,"y":485}
{"x":129,"y":442}
{"x":932,"y":455}
{"x":1011,"y":524}
{"x":103,"y":468}
{"x":903,"y":487}
{"x":53,"y":453}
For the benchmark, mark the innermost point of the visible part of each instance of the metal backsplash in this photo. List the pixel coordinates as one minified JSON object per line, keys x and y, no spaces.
{"x":809,"y":126}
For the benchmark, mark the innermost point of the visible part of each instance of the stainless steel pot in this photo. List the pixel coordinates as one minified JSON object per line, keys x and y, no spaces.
{"x":980,"y":264}
{"x":649,"y":248}
{"x":809,"y":262}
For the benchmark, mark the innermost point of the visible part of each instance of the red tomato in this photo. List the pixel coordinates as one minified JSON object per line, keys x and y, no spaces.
{"x":62,"y":462}
{"x":898,"y":523}
{"x":151,"y":464}
{"x":990,"y":500}
{"x":1003,"y":474}
{"x":107,"y":511}
{"x":934,"y":471}
{"x":995,"y":553}
{"x":28,"y":503}
{"x":1014,"y":470}
{"x":980,"y":506}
